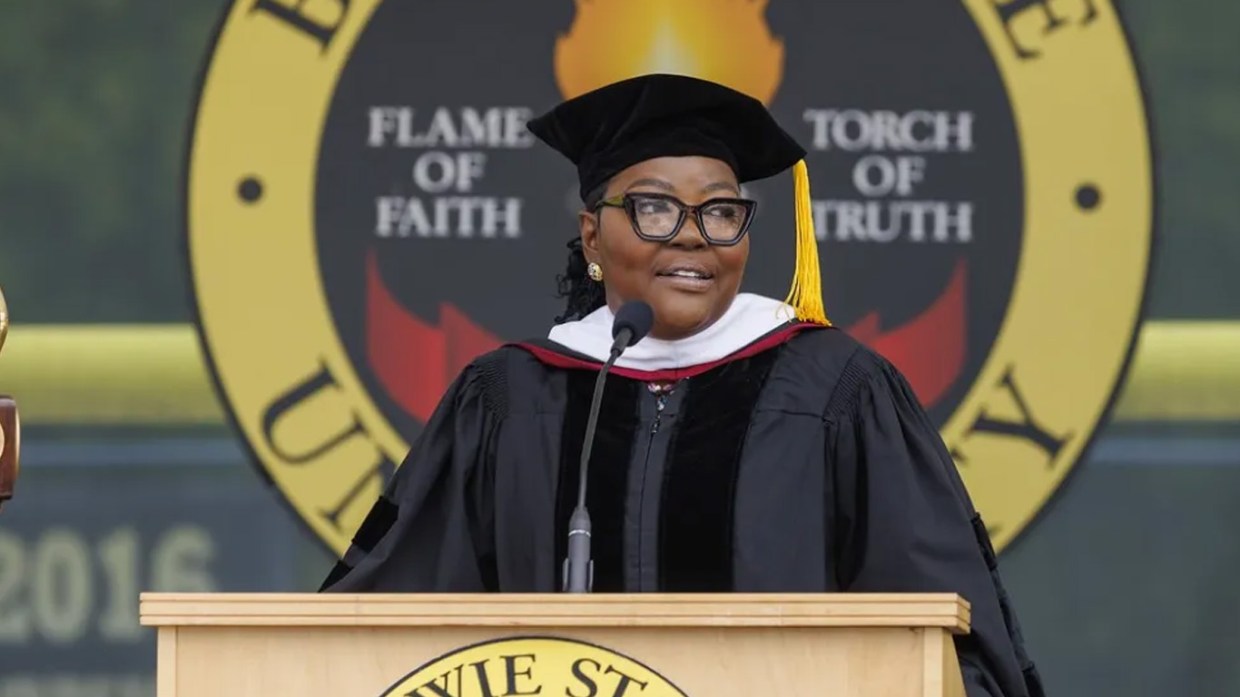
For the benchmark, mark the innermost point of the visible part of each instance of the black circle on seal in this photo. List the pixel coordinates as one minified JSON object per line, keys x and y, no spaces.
{"x":250,"y":189}
{"x":1088,"y":197}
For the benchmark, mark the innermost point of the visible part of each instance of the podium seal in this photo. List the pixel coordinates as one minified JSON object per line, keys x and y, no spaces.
{"x":533,"y":666}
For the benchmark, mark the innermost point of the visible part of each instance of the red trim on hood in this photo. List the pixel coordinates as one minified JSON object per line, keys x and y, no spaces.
{"x":556,"y":359}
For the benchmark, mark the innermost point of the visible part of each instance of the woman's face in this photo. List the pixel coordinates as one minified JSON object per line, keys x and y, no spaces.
{"x":687,"y":282}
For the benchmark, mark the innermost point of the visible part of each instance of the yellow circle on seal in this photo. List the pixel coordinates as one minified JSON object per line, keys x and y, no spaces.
{"x":533,"y":666}
{"x":1038,"y":400}
{"x":1079,"y":291}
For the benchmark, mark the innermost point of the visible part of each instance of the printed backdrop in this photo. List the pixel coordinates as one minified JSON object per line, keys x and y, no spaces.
{"x":367,"y":212}
{"x":327,"y":188}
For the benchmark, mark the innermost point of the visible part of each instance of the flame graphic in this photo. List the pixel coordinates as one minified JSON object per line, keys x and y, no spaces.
{"x":725,"y":41}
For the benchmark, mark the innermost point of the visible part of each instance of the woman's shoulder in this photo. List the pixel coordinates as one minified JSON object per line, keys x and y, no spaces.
{"x":832,"y":354}
{"x":502,"y":378}
{"x":506,"y":359}
{"x":829,"y":361}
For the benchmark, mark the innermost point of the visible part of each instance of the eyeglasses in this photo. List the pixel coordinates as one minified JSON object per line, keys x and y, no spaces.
{"x":658,"y":217}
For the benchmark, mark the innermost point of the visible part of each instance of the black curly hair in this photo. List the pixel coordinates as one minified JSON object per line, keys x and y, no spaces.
{"x":584,"y":295}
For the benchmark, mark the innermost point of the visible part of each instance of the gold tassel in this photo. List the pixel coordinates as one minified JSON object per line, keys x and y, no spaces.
{"x":806,"y":294}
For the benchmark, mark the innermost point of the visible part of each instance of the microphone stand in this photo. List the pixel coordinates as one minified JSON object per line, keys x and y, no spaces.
{"x":578,"y":566}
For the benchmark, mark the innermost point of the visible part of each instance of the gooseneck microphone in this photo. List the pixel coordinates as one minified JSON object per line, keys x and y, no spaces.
{"x":633,"y":321}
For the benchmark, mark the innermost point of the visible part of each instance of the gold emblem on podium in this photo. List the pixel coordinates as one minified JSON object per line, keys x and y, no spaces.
{"x":10,"y":427}
{"x":527,"y":665}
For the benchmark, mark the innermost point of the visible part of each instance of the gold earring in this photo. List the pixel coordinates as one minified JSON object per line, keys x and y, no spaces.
{"x":595,"y":271}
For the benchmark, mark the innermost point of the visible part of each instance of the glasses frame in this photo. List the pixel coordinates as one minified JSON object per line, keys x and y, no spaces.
{"x":628,"y":202}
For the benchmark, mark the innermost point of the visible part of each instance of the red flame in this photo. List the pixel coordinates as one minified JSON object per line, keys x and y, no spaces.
{"x":415,"y":361}
{"x":929,"y":349}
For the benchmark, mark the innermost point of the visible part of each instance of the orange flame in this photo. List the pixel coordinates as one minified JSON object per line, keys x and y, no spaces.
{"x":725,"y":41}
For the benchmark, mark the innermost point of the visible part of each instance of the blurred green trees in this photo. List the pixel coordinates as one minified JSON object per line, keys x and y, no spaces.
{"x":94,"y":101}
{"x":1190,"y":62}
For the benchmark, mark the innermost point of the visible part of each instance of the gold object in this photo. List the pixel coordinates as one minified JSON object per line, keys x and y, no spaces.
{"x":4,"y":319}
{"x":805,"y":296}
{"x":10,"y":425}
{"x":595,"y":271}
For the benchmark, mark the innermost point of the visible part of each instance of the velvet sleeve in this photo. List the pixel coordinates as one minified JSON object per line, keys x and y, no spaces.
{"x":904,"y":522}
{"x":431,"y":529}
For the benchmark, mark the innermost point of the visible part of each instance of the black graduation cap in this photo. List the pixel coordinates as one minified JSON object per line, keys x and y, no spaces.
{"x":611,"y":128}
{"x":626,"y":122}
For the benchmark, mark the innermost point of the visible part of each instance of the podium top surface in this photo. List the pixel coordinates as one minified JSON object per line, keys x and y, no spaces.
{"x":945,"y":610}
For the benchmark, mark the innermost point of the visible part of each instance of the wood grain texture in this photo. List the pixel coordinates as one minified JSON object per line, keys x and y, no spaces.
{"x":10,"y":446}
{"x":167,"y":662}
{"x":942,"y":666}
{"x":847,"y":645}
{"x":702,"y":662}
{"x":946,"y":611}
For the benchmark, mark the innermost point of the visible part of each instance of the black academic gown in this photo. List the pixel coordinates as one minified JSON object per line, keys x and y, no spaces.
{"x":808,"y":466}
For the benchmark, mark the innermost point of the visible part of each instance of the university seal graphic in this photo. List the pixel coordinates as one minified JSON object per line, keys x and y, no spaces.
{"x":366,"y":211}
{"x":533,"y":666}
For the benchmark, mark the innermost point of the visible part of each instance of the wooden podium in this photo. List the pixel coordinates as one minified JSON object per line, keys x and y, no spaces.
{"x":846,"y":645}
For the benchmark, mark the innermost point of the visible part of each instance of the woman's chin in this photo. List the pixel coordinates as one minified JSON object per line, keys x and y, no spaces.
{"x":677,"y":321}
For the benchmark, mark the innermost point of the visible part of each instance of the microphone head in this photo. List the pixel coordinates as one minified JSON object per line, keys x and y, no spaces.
{"x":637,"y":317}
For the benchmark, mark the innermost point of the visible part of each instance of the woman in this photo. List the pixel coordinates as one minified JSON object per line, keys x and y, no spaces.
{"x":744,"y":445}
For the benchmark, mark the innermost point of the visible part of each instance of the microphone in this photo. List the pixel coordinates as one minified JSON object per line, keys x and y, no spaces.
{"x":633,"y":321}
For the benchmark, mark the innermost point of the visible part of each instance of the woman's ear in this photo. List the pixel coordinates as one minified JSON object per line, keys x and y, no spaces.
{"x":588,"y":225}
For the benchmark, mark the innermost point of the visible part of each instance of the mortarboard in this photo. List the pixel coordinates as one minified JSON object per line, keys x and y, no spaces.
{"x":616,"y":126}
